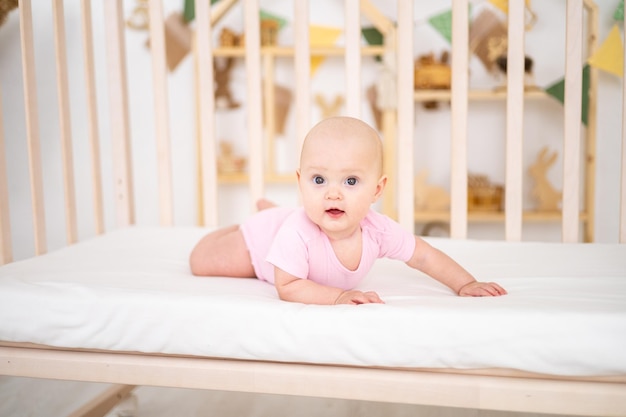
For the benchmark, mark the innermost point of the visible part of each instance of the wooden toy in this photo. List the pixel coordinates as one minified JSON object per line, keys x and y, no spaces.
{"x":223,"y":96}
{"x":432,"y":74}
{"x":482,"y":194}
{"x":529,"y":83}
{"x":228,"y":38}
{"x":429,"y":197}
{"x":227,"y":162}
{"x":329,"y":109}
{"x":545,"y":194}
{"x":139,"y":18}
{"x":269,"y":32}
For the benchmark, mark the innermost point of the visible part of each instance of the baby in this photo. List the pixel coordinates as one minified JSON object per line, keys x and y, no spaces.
{"x":318,"y":253}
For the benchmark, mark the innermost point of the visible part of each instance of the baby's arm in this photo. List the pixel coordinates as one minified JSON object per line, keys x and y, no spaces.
{"x":291,"y":288}
{"x":444,"y":269}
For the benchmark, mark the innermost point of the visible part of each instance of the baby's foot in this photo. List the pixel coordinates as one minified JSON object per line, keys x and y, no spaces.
{"x":263,"y":204}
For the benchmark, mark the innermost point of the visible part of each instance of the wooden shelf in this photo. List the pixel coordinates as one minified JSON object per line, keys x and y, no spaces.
{"x":242,"y":178}
{"x":289,"y":51}
{"x":476,"y":95}
{"x":492,"y":216}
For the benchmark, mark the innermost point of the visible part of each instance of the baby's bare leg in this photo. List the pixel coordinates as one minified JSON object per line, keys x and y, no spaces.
{"x":222,"y":253}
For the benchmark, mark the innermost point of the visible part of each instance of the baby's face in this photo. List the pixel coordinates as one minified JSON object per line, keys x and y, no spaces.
{"x":340,"y":176}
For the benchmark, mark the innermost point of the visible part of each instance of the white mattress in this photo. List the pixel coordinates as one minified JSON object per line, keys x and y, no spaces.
{"x":131,"y":290}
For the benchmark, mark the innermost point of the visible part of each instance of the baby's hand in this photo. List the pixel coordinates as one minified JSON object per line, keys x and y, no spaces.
{"x":358,"y":297}
{"x":481,"y":289}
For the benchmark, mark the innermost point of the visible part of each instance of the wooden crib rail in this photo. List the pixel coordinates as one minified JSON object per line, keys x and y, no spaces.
{"x":622,"y":223}
{"x":398,"y":130}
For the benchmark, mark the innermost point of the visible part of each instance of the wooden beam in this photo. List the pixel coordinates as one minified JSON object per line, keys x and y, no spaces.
{"x":206,"y":114}
{"x":92,"y":116}
{"x":63,"y":94}
{"x":572,"y":120}
{"x":458,"y":160}
{"x":119,"y":113}
{"x":514,"y":121}
{"x":6,"y":248}
{"x":406,"y":104}
{"x":32,"y":125}
{"x":161,"y":113}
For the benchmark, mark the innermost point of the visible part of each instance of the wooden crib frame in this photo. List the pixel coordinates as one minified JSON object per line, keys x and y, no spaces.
{"x":496,"y":389}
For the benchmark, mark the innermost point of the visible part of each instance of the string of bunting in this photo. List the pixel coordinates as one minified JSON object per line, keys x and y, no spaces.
{"x":609,"y":57}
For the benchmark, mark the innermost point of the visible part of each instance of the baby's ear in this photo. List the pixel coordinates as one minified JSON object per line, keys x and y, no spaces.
{"x":380,"y":187}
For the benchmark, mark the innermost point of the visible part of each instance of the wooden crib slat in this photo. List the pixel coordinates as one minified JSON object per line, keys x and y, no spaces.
{"x":63,"y":93}
{"x":6,"y":248}
{"x":589,"y":170}
{"x":302,"y":62}
{"x":32,"y":126}
{"x":206,"y":113}
{"x":460,"y":82}
{"x":352,"y":37}
{"x":161,"y":112}
{"x":92,"y":115}
{"x":514,"y":121}
{"x":405,"y":175}
{"x":622,"y":204}
{"x":572,"y":128}
{"x":119,"y":113}
{"x":254,"y":100}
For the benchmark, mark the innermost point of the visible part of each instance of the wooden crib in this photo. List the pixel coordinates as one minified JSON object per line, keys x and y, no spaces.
{"x":496,"y":389}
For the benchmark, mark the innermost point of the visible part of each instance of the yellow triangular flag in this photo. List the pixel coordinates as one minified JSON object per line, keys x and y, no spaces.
{"x":504,"y":4}
{"x":321,"y":36}
{"x":610,"y":56}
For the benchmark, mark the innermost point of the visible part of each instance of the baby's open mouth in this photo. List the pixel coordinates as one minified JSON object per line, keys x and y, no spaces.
{"x":334,"y":212}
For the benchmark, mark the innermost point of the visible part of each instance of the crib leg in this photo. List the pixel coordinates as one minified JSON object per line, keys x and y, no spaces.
{"x":103,"y":403}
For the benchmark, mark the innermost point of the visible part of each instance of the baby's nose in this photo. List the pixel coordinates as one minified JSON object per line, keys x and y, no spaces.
{"x":333,"y":193}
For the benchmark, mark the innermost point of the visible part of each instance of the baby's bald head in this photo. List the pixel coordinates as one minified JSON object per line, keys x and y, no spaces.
{"x":349,"y":132}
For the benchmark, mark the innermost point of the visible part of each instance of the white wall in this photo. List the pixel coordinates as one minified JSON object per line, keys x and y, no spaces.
{"x":543,"y":118}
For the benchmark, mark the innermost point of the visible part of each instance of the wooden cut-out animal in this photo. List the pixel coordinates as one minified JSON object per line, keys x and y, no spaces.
{"x":329,"y":109}
{"x":547,"y":196}
{"x":429,"y":197}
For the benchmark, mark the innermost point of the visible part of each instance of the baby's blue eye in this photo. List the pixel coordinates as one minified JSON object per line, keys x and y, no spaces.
{"x":351,"y":181}
{"x":318,"y":180}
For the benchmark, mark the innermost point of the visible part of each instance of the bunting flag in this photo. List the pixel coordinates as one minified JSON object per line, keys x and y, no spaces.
{"x":321,"y":36}
{"x":189,"y":9}
{"x":442,"y":22}
{"x":373,"y":37}
{"x":557,"y":90}
{"x":504,"y":4}
{"x":619,"y":12}
{"x":610,"y":56}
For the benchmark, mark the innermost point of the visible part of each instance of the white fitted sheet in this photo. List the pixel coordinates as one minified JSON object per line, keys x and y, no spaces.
{"x":131,"y":290}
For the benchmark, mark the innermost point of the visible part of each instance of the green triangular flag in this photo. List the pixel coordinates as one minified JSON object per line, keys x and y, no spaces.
{"x":189,"y":10}
{"x":619,"y":12}
{"x":373,"y":37}
{"x":443,"y":23}
{"x":557,"y":90}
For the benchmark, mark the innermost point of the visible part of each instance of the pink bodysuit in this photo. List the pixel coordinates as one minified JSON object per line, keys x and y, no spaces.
{"x":286,"y":238}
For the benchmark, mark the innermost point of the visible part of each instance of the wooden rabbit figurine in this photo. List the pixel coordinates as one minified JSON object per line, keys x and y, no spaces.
{"x":547,"y":196}
{"x":429,"y":197}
